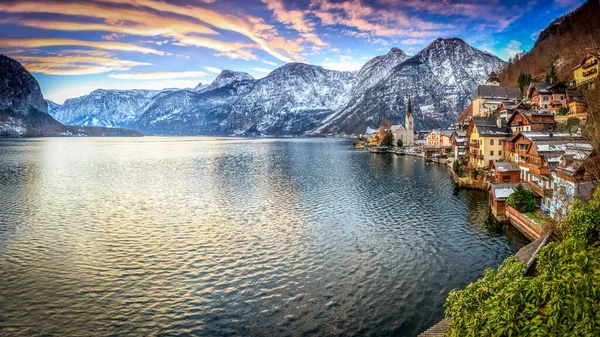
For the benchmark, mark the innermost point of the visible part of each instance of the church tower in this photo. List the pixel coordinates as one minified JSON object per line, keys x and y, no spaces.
{"x":409,"y":124}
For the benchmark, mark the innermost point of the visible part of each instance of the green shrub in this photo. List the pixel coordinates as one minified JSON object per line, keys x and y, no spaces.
{"x":457,"y":168}
{"x":399,"y":143}
{"x":388,"y":139}
{"x":521,"y":199}
{"x":562,"y":299}
{"x":562,"y":111}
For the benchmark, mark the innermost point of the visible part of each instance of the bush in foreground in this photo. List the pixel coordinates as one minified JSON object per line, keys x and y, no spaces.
{"x":561,"y":299}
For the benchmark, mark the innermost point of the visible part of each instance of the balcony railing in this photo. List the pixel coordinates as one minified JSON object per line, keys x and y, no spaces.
{"x":542,"y":192}
{"x":589,"y":64}
{"x":474,"y":145}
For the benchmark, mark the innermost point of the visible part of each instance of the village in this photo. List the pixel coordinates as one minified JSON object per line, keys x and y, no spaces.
{"x":525,"y":147}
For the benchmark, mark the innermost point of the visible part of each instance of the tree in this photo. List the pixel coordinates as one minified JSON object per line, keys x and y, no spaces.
{"x":560,"y":299}
{"x":457,"y":168}
{"x":521,"y":199}
{"x":562,"y":111}
{"x":524,"y":80}
{"x":399,"y":143}
{"x":388,"y":139}
{"x":551,"y":76}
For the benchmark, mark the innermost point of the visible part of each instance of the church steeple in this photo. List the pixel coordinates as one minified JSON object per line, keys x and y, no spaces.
{"x":409,"y":124}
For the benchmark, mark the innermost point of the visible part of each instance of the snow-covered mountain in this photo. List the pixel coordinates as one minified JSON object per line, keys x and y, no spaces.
{"x":441,"y":78}
{"x":108,"y":108}
{"x":52,"y":107}
{"x":302,"y":99}
{"x":291,"y":100}
{"x":19,"y":91}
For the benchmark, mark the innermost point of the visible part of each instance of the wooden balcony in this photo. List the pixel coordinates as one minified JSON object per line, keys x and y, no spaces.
{"x":542,"y":192}
{"x":536,"y":169}
{"x":474,"y":145}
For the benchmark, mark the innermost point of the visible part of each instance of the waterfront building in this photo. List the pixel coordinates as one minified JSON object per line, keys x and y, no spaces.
{"x":547,"y":96}
{"x":488,"y":97}
{"x":459,"y":146}
{"x":433,"y":138}
{"x":498,"y":193}
{"x":485,"y":136}
{"x":506,"y":172}
{"x":571,"y":181}
{"x":528,"y":120}
{"x":586,"y":72}
{"x":538,"y":154}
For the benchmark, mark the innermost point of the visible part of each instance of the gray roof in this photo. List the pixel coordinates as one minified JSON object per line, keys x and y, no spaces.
{"x":505,"y":166}
{"x":498,"y":92}
{"x":487,"y":126}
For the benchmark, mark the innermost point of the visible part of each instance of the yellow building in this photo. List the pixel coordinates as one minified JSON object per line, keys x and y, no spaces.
{"x":586,"y":72}
{"x":433,"y":138}
{"x":485,"y":137}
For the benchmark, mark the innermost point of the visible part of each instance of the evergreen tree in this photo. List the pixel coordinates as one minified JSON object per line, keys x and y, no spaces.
{"x":551,"y":76}
{"x":399,"y":143}
{"x":524,"y":80}
{"x":388,"y":139}
{"x":521,"y":199}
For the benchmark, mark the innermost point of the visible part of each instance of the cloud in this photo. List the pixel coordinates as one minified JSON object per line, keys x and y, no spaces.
{"x":53,"y":42}
{"x":342,"y":65}
{"x":152,"y":18}
{"x":512,"y":48}
{"x":75,"y":64}
{"x":213,"y":69}
{"x":262,"y":70}
{"x":159,"y":75}
{"x":296,"y":20}
{"x":269,"y":62}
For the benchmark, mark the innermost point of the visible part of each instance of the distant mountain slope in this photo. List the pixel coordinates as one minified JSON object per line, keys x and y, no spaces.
{"x":107,"y":108}
{"x":291,"y":100}
{"x":565,"y":42}
{"x":441,"y":78}
{"x":52,"y":107}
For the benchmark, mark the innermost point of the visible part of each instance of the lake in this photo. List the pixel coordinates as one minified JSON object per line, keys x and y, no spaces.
{"x":232,"y":237}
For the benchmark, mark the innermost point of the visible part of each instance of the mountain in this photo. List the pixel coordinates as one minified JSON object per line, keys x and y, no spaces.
{"x":52,"y":107}
{"x":24,"y":112}
{"x":107,"y":108}
{"x":291,"y":100}
{"x":565,"y":42}
{"x":300,"y":99}
{"x":377,"y":69}
{"x":441,"y":79}
{"x":22,"y":105}
{"x":240,"y":80}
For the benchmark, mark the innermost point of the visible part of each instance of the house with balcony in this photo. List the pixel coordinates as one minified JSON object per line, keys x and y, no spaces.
{"x":586,"y":72}
{"x":547,"y":96}
{"x":458,"y":139}
{"x":507,"y":108}
{"x":538,"y":154}
{"x":485,"y":136}
{"x":528,"y":120}
{"x":571,"y":180}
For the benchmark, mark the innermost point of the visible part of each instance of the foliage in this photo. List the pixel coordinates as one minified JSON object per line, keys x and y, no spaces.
{"x":399,"y":143}
{"x":562,"y":111}
{"x":560,"y":300}
{"x":527,"y":105}
{"x":591,"y":129}
{"x":551,"y":76}
{"x":521,"y":199}
{"x":457,"y":168}
{"x":475,"y":173}
{"x":524,"y":80}
{"x":448,"y":150}
{"x":388,"y":139}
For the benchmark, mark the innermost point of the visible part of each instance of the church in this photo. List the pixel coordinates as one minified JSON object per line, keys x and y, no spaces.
{"x":405,"y":132}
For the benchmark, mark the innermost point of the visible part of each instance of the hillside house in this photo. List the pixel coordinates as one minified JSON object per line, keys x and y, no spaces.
{"x":506,"y":172}
{"x":528,"y":120}
{"x":547,"y":96}
{"x":586,"y":72}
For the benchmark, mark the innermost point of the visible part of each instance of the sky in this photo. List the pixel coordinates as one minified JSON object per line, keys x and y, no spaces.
{"x":75,"y":47}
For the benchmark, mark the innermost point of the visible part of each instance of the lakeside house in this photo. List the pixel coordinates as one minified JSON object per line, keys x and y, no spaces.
{"x":485,"y":136}
{"x":458,"y":139}
{"x":490,"y":96}
{"x":586,"y":72}
{"x":498,"y":193}
{"x":506,"y":172}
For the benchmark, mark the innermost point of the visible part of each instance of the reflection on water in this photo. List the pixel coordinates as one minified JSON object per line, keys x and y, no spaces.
{"x":206,"y":236}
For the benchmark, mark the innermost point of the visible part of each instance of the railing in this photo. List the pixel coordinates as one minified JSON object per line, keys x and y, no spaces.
{"x":589,"y":72}
{"x":542,"y":192}
{"x":474,"y":145}
{"x":589,"y":64}
{"x":526,"y":226}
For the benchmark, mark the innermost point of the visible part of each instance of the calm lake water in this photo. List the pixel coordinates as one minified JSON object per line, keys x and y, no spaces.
{"x":220,"y":237}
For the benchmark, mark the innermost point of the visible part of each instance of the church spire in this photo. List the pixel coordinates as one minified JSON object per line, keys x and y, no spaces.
{"x":409,"y":111}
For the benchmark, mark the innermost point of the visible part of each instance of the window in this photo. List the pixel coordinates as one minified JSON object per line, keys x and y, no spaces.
{"x":499,"y":153}
{"x":491,"y":142}
{"x":562,"y":97}
{"x":545,"y":98}
{"x":500,"y":142}
{"x":545,"y":106}
{"x":491,"y":153}
{"x":506,"y":179}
